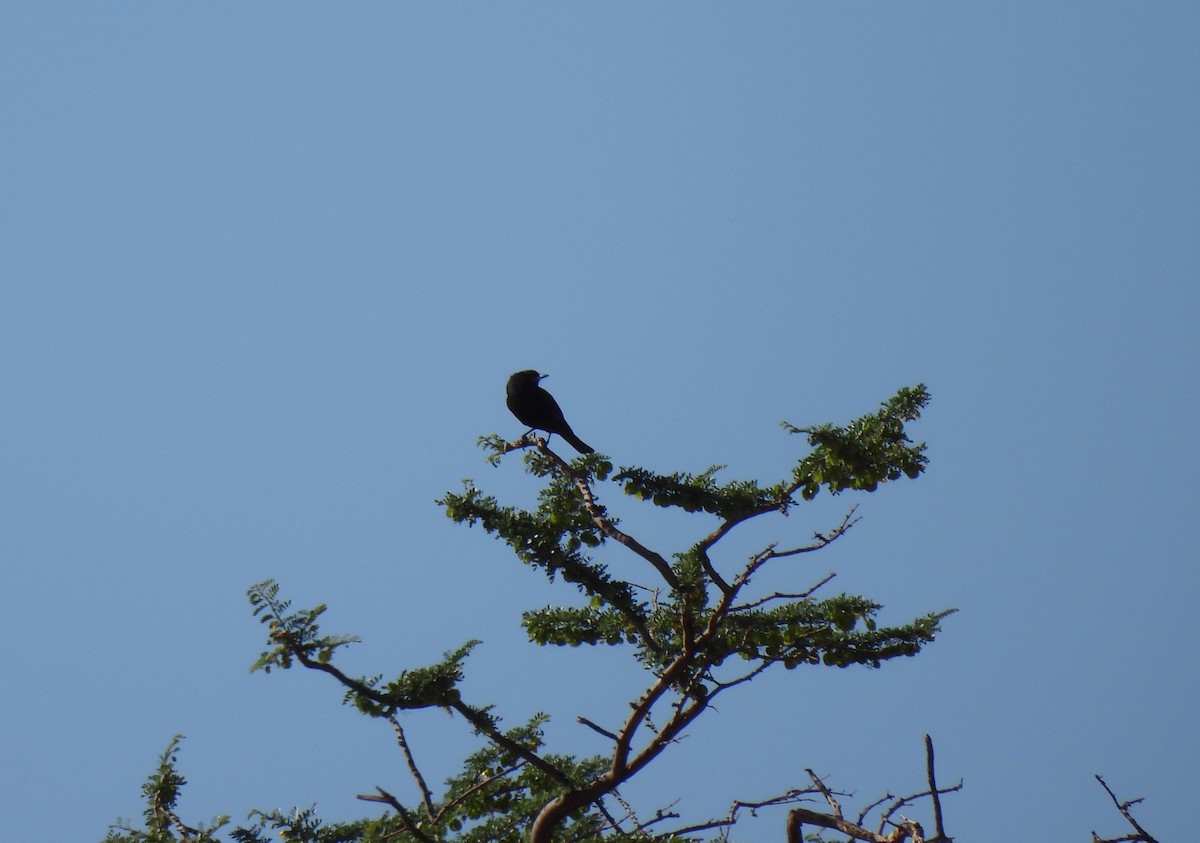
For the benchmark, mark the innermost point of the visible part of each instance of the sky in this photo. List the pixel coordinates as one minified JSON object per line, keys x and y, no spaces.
{"x":266,"y":268}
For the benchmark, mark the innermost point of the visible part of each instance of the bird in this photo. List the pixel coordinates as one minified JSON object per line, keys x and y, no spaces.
{"x":535,"y":407}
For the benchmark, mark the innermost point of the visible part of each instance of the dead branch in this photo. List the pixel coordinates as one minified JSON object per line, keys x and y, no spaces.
{"x":731,"y":818}
{"x":1142,"y":836}
{"x":905,"y":829}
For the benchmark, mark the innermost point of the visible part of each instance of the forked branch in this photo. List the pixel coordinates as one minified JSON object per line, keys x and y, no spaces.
{"x":1140,"y":835}
{"x":602,"y":521}
{"x":904,"y":830}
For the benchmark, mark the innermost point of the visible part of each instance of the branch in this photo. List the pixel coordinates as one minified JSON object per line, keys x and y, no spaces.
{"x":477,"y":719}
{"x":426,"y":795}
{"x":826,"y":792}
{"x":601,"y":521}
{"x":762,"y":557}
{"x":661,"y":815}
{"x":485,"y":727}
{"x":886,"y":818}
{"x":479,"y":785}
{"x":781,"y":596}
{"x":584,"y":721}
{"x":902,"y":831}
{"x":1142,"y":835}
{"x":623,"y":766}
{"x":938,"y":830}
{"x":406,"y":819}
{"x":185,"y":831}
{"x":738,"y":805}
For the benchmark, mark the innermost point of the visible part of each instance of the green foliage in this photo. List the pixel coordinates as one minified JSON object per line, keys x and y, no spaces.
{"x":292,"y":634}
{"x":161,"y":791}
{"x":498,"y":795}
{"x":296,"y":637}
{"x":701,"y":493}
{"x":865,"y":453}
{"x":699,"y":632}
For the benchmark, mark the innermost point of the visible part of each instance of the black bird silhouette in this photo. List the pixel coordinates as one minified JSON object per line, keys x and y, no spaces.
{"x":535,"y":407}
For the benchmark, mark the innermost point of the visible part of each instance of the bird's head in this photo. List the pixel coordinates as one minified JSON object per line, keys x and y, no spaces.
{"x":526,"y":377}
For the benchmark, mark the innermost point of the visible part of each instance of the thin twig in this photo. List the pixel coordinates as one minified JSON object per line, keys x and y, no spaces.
{"x":886,"y":817}
{"x":781,"y":596}
{"x":768,"y":553}
{"x":595,"y":728}
{"x":426,"y":795}
{"x":787,"y":798}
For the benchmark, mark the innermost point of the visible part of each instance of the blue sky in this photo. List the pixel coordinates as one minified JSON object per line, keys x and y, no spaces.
{"x":266,"y":270}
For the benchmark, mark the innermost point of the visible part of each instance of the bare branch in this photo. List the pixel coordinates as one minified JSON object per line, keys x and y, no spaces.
{"x":787,"y":798}
{"x":821,"y":540}
{"x":746,"y":677}
{"x":595,"y":728}
{"x":781,"y":596}
{"x":1142,"y":836}
{"x":886,"y":818}
{"x":938,"y":829}
{"x":426,"y":795}
{"x":903,"y":830}
{"x":862,"y":815}
{"x":826,"y":792}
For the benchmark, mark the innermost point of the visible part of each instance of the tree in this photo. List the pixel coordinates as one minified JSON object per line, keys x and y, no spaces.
{"x":701,"y":631}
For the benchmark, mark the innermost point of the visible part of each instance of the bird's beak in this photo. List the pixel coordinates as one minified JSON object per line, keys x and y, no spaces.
{"x":542,"y":376}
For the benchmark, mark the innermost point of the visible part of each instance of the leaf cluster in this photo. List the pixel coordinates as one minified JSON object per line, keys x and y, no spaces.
{"x":870,"y":450}
{"x":162,"y":824}
{"x":297,"y":637}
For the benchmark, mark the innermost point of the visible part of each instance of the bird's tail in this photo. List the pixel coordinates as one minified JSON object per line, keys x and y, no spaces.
{"x":577,"y":443}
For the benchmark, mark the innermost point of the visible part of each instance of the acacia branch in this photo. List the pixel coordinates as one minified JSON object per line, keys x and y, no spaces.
{"x":781,"y":596}
{"x":602,"y":521}
{"x":406,"y":819}
{"x":185,"y":831}
{"x":477,"y":719}
{"x":625,"y":763}
{"x":426,"y":795}
{"x":478,"y":786}
{"x":821,"y":540}
{"x":485,"y":727}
